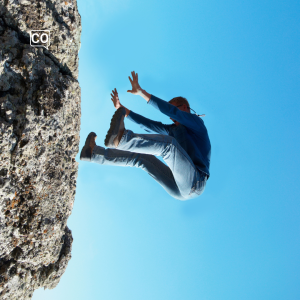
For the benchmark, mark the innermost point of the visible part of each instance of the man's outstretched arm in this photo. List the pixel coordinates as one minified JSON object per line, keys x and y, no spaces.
{"x":185,"y":118}
{"x":149,"y":125}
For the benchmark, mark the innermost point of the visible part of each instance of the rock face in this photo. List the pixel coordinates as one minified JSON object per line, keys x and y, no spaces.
{"x":39,"y":124}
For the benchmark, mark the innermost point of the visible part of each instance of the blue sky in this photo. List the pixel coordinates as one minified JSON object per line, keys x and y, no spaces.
{"x":236,"y":62}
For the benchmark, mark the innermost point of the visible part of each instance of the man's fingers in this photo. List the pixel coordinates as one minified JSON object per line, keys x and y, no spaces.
{"x":129,"y":91}
{"x":134,"y":76}
{"x":130,"y":79}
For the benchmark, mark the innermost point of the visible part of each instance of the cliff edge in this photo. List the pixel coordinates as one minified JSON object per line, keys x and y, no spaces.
{"x":39,"y":124}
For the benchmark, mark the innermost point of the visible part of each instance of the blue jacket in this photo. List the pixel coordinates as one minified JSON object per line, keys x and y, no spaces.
{"x":191,"y":133}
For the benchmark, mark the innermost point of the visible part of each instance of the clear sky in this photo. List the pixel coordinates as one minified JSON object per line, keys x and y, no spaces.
{"x":237,"y":62}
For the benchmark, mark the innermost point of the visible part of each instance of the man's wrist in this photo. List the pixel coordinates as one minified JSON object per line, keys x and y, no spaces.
{"x":127,"y":112}
{"x":144,"y":94}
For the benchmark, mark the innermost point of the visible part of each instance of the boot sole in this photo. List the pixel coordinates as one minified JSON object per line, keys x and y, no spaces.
{"x":85,"y":153}
{"x":115,"y":123}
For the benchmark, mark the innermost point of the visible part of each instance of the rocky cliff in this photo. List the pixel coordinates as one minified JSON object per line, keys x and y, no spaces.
{"x":39,"y":124}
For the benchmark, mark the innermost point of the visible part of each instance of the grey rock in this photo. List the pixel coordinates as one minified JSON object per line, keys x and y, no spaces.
{"x":39,"y":138}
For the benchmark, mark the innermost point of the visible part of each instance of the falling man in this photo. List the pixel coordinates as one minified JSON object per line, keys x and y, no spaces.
{"x":184,"y":145}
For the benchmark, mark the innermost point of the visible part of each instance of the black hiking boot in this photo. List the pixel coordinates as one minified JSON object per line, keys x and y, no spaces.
{"x":116,"y":129}
{"x":87,"y":150}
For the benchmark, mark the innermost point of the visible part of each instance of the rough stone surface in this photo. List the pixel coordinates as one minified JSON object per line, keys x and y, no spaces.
{"x":39,"y":125}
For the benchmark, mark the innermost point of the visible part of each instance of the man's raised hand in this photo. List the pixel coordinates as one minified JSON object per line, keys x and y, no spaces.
{"x":115,"y":99}
{"x":135,"y":87}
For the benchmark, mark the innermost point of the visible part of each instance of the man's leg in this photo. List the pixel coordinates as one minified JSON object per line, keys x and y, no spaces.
{"x":187,"y":177}
{"x":149,"y":163}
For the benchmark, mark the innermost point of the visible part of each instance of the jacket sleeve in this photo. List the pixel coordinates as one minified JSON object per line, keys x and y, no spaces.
{"x":187,"y":119}
{"x":148,"y":125}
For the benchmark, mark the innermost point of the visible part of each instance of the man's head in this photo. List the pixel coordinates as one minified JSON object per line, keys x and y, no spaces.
{"x":181,"y":103}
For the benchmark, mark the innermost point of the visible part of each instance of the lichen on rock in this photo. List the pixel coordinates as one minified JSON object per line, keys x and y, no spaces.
{"x":39,"y":125}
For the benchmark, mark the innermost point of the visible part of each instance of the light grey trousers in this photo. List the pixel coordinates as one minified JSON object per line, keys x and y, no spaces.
{"x":179,"y":176}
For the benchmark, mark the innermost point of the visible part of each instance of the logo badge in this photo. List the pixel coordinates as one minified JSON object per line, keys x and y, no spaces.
{"x":40,"y":38}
